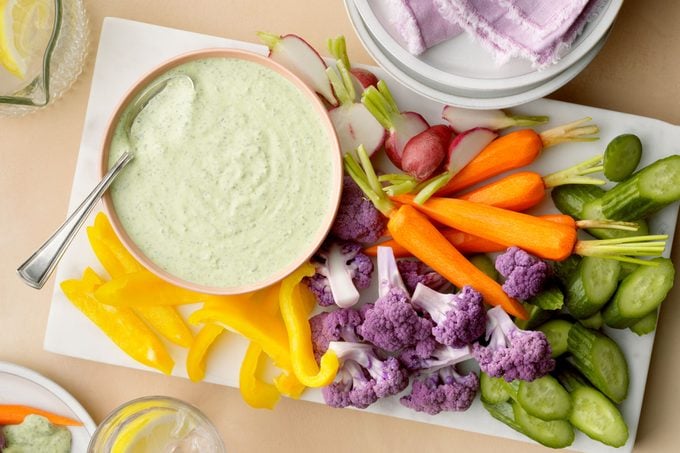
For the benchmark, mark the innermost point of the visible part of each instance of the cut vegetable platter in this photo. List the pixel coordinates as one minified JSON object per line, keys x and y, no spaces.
{"x":127,"y":50}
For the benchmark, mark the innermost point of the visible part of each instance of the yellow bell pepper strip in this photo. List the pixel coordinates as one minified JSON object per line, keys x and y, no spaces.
{"x":199,"y":349}
{"x":121,"y":325}
{"x":295,"y":300}
{"x":143,"y":289}
{"x":250,"y":318}
{"x":289,"y":385}
{"x":117,"y":261}
{"x":254,"y":390}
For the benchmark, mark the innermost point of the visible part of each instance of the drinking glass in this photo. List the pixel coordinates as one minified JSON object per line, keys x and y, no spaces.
{"x":42,"y":51}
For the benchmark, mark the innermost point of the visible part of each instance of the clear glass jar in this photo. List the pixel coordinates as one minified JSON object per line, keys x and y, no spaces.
{"x":51,"y":53}
{"x":157,"y":424}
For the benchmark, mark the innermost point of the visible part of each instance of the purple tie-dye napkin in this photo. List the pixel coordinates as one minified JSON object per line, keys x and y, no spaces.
{"x":537,"y":30}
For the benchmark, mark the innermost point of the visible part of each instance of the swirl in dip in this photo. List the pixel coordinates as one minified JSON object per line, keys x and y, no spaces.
{"x":231,"y":179}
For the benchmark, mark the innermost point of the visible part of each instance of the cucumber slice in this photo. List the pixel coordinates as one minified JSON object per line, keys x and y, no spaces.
{"x":503,"y":412}
{"x":646,"y":324}
{"x":564,"y":270}
{"x":557,"y":332}
{"x":544,"y":398}
{"x":644,"y":193}
{"x":645,"y":288}
{"x":600,"y":359}
{"x":484,"y":264}
{"x":593,"y":322}
{"x":593,"y":211}
{"x":492,"y":389}
{"x":622,"y":157}
{"x":571,"y":198}
{"x":537,"y":316}
{"x":595,"y":415}
{"x":550,"y":298}
{"x":553,"y":434}
{"x":591,"y":286}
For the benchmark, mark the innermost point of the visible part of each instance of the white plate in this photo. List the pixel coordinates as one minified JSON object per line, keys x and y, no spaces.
{"x":20,"y":385}
{"x":465,"y":66}
{"x":515,"y":97}
{"x":128,"y":49}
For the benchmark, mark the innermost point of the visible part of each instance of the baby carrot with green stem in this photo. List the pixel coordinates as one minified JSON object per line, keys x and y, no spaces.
{"x":418,"y":235}
{"x":516,"y":150}
{"x":525,"y":189}
{"x":543,"y":238}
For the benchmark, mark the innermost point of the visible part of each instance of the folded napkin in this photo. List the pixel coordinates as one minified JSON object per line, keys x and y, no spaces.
{"x":419,"y":24}
{"x":537,"y":30}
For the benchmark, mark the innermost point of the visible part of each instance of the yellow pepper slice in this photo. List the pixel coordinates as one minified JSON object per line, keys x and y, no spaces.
{"x":199,"y":349}
{"x":121,"y":325}
{"x":289,"y":385}
{"x":254,"y":390}
{"x":295,"y":301}
{"x":117,"y":261}
{"x":142,"y":288}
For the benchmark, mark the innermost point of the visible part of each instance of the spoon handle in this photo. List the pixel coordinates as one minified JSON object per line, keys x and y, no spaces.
{"x":37,"y":269}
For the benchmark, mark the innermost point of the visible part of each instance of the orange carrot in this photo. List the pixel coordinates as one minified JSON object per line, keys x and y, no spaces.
{"x":465,"y":243}
{"x":525,"y":189}
{"x":540,"y":237}
{"x":418,"y":235}
{"x":515,"y":150}
{"x":14,"y":414}
{"x":415,"y":233}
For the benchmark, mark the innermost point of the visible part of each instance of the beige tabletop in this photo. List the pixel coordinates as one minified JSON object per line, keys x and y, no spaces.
{"x":638,"y":71}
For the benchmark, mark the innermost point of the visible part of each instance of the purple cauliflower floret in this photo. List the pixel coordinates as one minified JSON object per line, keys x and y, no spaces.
{"x":525,"y":275}
{"x":363,"y":376}
{"x":341,"y":271}
{"x":443,"y":390}
{"x":513,"y":353}
{"x":392,"y":323}
{"x":337,"y":325}
{"x":459,"y":318}
{"x":414,"y":272}
{"x":357,"y":219}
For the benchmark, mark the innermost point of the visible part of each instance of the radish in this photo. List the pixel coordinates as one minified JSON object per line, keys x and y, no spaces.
{"x":352,"y":121}
{"x":466,"y":146}
{"x":425,"y":152}
{"x":465,"y":119}
{"x":362,"y":78}
{"x":402,"y":126}
{"x":296,"y":55}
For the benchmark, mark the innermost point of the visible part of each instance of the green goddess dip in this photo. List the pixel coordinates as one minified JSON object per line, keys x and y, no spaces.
{"x":230,"y":179}
{"x":36,"y":434}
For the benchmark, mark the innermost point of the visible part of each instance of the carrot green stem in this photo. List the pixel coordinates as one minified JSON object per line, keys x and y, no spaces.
{"x":608,"y":224}
{"x":532,"y":120}
{"x":623,"y":249}
{"x":400,"y":188}
{"x":338,"y":48}
{"x":364,"y":176}
{"x":570,"y":132}
{"x":393,"y":177}
{"x":431,"y":186}
{"x":576,"y":174}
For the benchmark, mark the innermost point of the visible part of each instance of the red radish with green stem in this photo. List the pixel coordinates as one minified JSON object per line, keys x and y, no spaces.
{"x":363,"y":78}
{"x":300,"y":58}
{"x":525,"y":189}
{"x":540,"y":237}
{"x":419,"y":236}
{"x":425,"y":152}
{"x":461,"y":119}
{"x":401,"y":126}
{"x":352,"y":121}
{"x":516,"y":150}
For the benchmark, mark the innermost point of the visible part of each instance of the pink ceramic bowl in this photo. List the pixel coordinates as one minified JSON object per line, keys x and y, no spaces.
{"x":336,"y":181}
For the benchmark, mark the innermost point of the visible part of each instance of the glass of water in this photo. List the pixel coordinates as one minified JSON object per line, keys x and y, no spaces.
{"x":43,"y":45}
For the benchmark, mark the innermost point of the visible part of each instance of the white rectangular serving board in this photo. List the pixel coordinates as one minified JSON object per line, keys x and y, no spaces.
{"x":128,"y":50}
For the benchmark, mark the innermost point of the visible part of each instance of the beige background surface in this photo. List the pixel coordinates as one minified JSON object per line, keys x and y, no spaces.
{"x":638,"y":71}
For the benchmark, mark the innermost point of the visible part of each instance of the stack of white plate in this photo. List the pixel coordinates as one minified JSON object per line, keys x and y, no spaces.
{"x":460,"y":72}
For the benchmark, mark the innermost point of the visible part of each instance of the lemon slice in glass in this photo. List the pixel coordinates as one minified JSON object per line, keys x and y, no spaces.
{"x":25,"y":29}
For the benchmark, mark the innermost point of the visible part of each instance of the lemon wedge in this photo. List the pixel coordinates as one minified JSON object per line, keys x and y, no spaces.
{"x":25,"y":29}
{"x":148,"y":432}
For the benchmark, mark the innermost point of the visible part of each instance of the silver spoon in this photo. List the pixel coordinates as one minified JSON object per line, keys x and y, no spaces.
{"x":37,"y":269}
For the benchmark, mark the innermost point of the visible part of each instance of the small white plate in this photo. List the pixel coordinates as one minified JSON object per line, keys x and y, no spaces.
{"x":464,"y":67}
{"x":478,"y":101}
{"x":20,"y":385}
